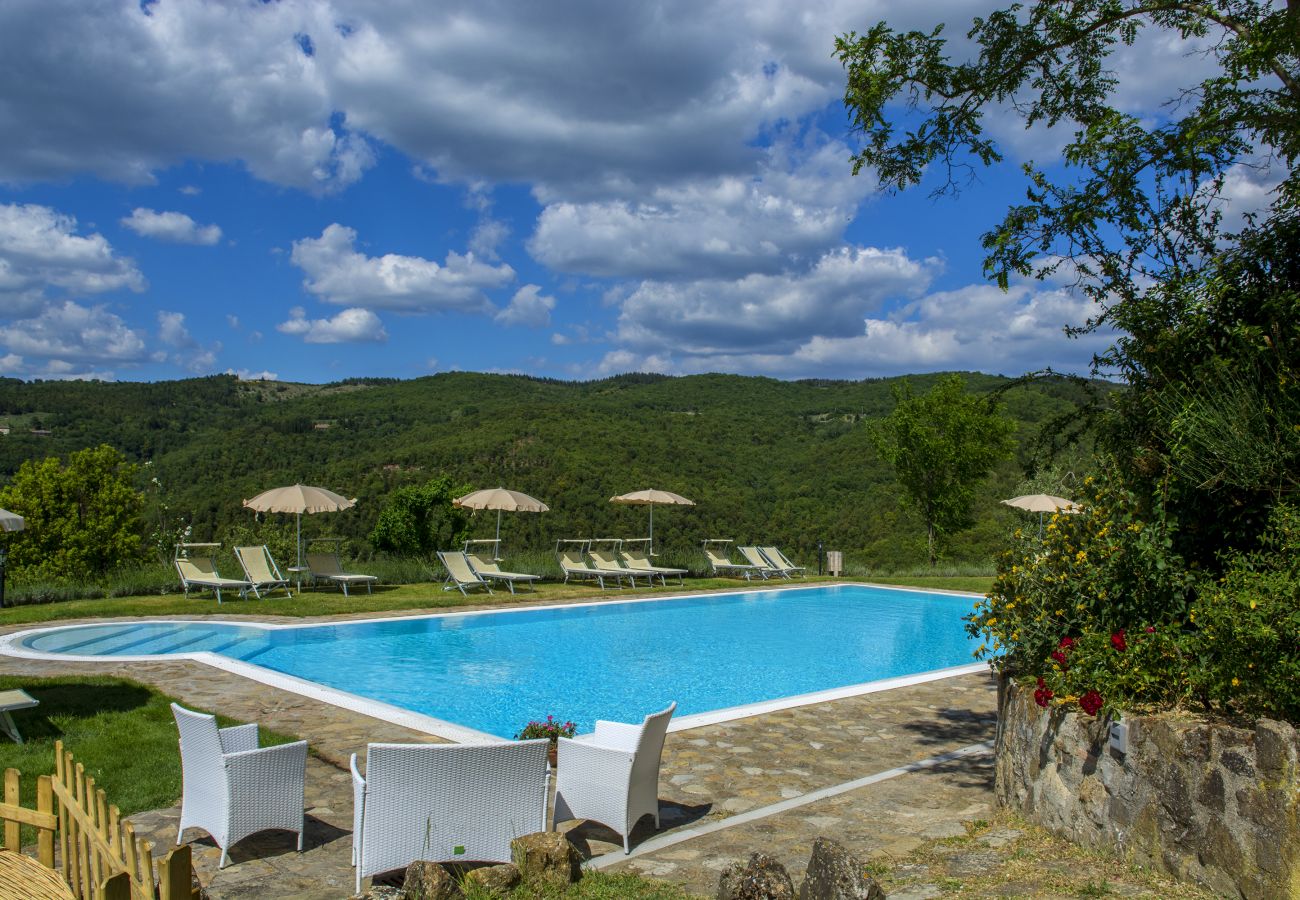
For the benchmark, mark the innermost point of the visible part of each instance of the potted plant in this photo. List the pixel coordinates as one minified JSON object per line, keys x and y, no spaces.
{"x":550,"y":729}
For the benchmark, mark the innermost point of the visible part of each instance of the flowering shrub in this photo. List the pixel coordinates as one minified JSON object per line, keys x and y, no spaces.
{"x":549,"y":728}
{"x":1102,"y":615}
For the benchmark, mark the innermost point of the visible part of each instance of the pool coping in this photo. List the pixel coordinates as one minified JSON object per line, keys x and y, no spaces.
{"x":10,"y":645}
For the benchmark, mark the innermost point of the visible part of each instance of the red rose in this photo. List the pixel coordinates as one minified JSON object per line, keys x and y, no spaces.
{"x":1151,"y":629}
{"x":1060,"y":659}
{"x":1091,"y":702}
{"x":1043,"y":695}
{"x":1118,"y":642}
{"x":1067,"y":643}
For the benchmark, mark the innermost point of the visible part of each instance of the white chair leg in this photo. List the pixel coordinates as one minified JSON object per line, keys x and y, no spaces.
{"x":225,"y":858}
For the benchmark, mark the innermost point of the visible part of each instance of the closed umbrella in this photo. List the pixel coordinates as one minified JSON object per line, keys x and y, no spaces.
{"x":652,"y":498}
{"x":299,"y":499}
{"x":8,"y":522}
{"x":501,"y":500}
{"x":1042,"y":503}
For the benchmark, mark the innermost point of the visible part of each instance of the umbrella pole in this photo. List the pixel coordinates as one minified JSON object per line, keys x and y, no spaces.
{"x":497,"y":549}
{"x":652,"y":529}
{"x":297,"y":532}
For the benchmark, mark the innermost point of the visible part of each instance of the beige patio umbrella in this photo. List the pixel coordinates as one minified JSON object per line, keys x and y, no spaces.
{"x":1042,"y":503}
{"x":299,"y":499}
{"x":501,"y":500}
{"x":11,"y":521}
{"x":652,"y":498}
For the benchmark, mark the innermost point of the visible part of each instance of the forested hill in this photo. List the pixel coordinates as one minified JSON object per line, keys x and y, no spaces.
{"x":763,"y":459}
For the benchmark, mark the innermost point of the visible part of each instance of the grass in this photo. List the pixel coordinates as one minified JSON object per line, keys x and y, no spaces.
{"x":594,"y":885}
{"x":404,"y":597}
{"x":121,"y":731}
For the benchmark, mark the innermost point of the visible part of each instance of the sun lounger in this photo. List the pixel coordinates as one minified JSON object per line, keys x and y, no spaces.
{"x":10,"y":702}
{"x":201,"y":572}
{"x":260,"y":570}
{"x":487,"y":568}
{"x":606,"y":560}
{"x":574,"y":566}
{"x":639,"y":560}
{"x":326,"y":567}
{"x":759,"y":562}
{"x":459,"y":573}
{"x":723,"y":566}
{"x":780,"y":563}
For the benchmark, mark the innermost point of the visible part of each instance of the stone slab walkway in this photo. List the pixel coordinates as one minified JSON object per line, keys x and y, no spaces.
{"x":709,"y":774}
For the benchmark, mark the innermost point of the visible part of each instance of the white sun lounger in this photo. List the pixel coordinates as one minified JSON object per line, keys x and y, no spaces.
{"x":607,"y":561}
{"x":260,"y":570}
{"x":639,"y":560}
{"x":326,"y":567}
{"x":781,"y":563}
{"x":460,"y":575}
{"x":722,"y":565}
{"x":760,"y":562}
{"x":574,"y":566}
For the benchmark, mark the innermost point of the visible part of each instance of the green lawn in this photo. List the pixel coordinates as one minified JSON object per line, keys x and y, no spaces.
{"x":122,"y":732}
{"x":386,"y":598}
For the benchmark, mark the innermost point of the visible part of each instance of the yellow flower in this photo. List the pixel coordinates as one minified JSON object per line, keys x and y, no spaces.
{"x":1235,"y":682}
{"x":1060,"y":612}
{"x":1081,"y":556}
{"x":1252,"y":604}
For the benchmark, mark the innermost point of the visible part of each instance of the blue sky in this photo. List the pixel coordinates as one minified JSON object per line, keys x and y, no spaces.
{"x":312,"y":191}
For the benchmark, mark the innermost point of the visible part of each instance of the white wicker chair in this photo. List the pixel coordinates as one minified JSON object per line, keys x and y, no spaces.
{"x":611,"y":776}
{"x":445,"y":802}
{"x":231,"y":787}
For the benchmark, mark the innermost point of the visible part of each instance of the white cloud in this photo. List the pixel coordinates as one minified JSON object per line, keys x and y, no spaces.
{"x":794,"y":207}
{"x":40,"y":250}
{"x":354,"y":325}
{"x":166,"y":82}
{"x":529,"y":306}
{"x":232,"y":320}
{"x":247,"y":375}
{"x":190,"y":354}
{"x":487,"y":237}
{"x":171,"y":226}
{"x":75,"y":335}
{"x":337,"y":273}
{"x":770,"y":312}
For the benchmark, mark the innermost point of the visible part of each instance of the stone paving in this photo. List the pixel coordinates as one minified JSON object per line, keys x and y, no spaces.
{"x":709,"y":774}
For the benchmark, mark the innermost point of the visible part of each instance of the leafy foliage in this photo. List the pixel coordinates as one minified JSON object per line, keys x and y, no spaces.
{"x":1143,"y":198}
{"x":941,"y":445}
{"x":418,"y":520}
{"x":82,"y":517}
{"x":765,"y":460}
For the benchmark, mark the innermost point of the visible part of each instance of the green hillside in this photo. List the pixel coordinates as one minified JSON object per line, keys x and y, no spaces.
{"x":765,"y":460}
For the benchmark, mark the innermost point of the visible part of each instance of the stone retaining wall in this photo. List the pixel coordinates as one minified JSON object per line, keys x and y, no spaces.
{"x":1207,"y":803}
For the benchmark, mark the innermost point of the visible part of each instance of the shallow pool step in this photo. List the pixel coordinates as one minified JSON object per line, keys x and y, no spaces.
{"x":114,"y":642}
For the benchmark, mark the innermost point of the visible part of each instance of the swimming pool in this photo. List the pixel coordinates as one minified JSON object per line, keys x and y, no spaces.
{"x":488,"y":673}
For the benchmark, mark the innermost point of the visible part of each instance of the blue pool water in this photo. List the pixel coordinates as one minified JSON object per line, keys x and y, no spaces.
{"x":495,"y":671}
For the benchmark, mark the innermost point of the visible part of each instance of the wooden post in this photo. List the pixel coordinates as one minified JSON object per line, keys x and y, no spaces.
{"x":12,"y":841}
{"x":116,"y":888}
{"x":174,"y":875}
{"x":45,"y":837}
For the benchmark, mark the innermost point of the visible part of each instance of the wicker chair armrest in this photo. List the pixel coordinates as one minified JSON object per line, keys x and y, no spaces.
{"x":586,"y":762}
{"x":615,"y":734}
{"x":238,"y":738}
{"x":269,"y":766}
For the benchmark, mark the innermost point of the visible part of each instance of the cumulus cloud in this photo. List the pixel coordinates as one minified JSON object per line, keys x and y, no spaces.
{"x":487,"y":237}
{"x":189,"y":354}
{"x":40,"y":250}
{"x":70,"y":337}
{"x":170,"y":82}
{"x":529,"y":306}
{"x":248,"y":375}
{"x":770,"y":312}
{"x":337,"y":273}
{"x":978,"y":327}
{"x":354,"y":325}
{"x":794,"y":207}
{"x":171,"y":226}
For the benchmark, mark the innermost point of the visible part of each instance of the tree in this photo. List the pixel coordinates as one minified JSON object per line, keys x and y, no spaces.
{"x":418,"y":520}
{"x":83,"y":518}
{"x":942,"y":445}
{"x":1143,"y":199}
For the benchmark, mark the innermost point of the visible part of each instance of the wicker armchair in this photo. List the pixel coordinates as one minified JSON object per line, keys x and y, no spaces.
{"x":231,"y":788}
{"x":611,"y":776}
{"x":445,"y":802}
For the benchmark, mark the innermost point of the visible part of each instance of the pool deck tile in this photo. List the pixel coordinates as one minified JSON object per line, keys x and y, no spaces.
{"x":709,"y":774}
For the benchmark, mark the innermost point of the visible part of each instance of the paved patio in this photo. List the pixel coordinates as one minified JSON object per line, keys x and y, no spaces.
{"x":847,"y":769}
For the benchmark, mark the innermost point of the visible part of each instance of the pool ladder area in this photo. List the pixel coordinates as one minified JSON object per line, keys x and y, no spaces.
{"x":129,"y":641}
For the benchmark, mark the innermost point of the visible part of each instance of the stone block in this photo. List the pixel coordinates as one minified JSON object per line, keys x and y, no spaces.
{"x":496,"y":880}
{"x":836,"y":874}
{"x":762,"y":878}
{"x":1276,"y":747}
{"x":546,"y":856}
{"x":429,"y":881}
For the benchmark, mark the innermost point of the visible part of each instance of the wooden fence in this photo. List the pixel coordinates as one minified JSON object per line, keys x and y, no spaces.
{"x":100,"y":856}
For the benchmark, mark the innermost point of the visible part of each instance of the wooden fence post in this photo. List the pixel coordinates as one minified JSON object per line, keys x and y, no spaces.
{"x":174,"y":875}
{"x":116,"y":888}
{"x":12,"y":841}
{"x":45,"y":837}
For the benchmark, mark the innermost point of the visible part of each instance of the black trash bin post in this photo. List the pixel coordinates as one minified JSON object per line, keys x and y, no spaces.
{"x":4,"y":558}
{"x":821,"y":556}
